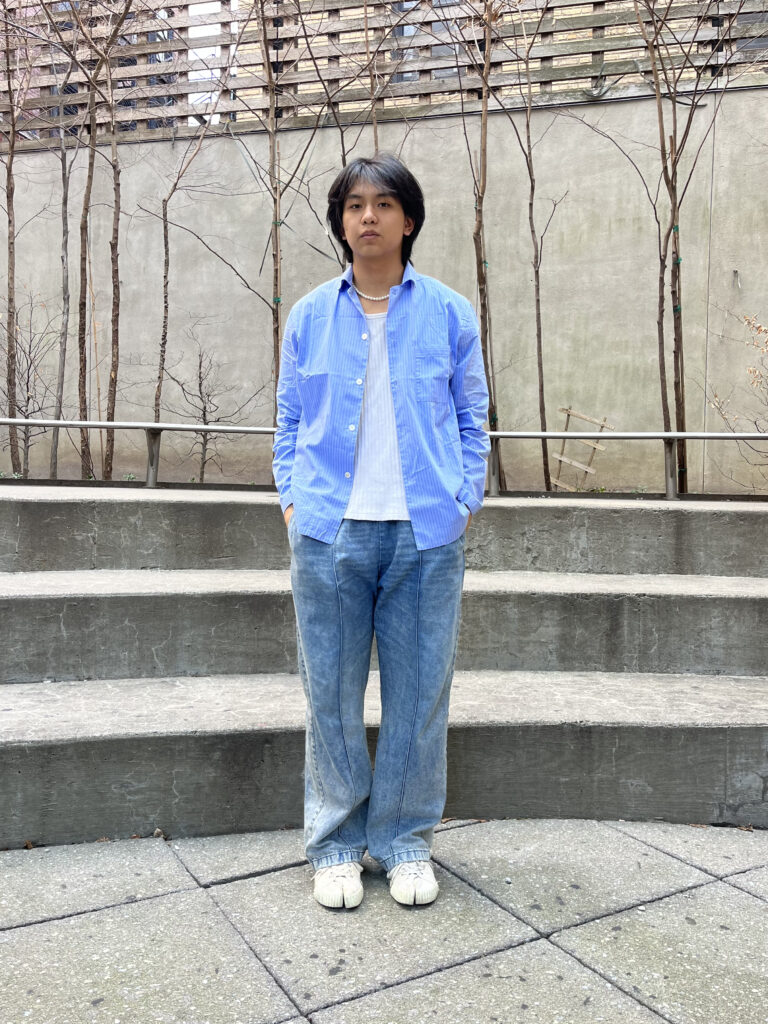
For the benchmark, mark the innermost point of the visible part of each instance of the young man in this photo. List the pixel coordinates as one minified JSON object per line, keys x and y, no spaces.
{"x":379,"y":460}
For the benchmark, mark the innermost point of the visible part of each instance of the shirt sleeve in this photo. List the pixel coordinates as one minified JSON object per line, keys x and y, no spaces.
{"x":470,"y":397}
{"x":288,"y":415}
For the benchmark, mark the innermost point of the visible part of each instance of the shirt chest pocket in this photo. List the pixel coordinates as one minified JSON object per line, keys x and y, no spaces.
{"x":314,"y":394}
{"x":434,"y":367}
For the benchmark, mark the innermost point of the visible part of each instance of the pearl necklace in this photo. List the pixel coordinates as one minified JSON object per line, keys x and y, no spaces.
{"x":371,"y":298}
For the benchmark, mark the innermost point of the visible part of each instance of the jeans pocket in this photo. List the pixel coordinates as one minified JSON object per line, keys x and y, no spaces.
{"x":291,"y":529}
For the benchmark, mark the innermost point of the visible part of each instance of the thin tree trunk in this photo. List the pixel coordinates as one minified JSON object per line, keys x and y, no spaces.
{"x":25,"y":433}
{"x":274,"y":177}
{"x":10,"y":188}
{"x":86,"y":462}
{"x":649,"y":37}
{"x":478,"y":239}
{"x":663,"y":250}
{"x":115,"y":360}
{"x":164,"y":329}
{"x":203,"y":456}
{"x":536,"y":263}
{"x":676,"y":285}
{"x":275,"y":189}
{"x":204,"y":416}
{"x":11,"y":312}
{"x":64,"y":332}
{"x":371,"y":81}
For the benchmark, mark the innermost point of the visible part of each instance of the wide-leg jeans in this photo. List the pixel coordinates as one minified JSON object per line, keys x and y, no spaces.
{"x":372,"y":579}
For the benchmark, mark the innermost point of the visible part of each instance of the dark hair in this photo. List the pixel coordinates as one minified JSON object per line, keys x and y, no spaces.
{"x":393,"y":178}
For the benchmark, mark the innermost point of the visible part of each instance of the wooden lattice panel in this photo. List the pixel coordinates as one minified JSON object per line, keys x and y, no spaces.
{"x":170,"y":67}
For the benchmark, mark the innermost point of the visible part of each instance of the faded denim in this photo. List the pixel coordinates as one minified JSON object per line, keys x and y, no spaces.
{"x":372,"y":578}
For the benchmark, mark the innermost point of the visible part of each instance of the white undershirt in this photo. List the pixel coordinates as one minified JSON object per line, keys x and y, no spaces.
{"x":378,"y":492}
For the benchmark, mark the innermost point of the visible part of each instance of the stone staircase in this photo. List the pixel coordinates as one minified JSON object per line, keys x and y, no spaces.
{"x":613,"y":663}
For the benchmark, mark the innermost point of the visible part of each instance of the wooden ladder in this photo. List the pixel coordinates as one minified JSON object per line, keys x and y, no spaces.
{"x":585,"y":468}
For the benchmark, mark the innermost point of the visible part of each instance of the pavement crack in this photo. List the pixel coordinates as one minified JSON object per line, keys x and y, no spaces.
{"x":488,"y":897}
{"x":604,"y":977}
{"x":631,"y":906}
{"x":659,"y":849}
{"x":267,"y":968}
{"x":95,"y":910}
{"x":386,"y":986}
{"x":253,"y":874}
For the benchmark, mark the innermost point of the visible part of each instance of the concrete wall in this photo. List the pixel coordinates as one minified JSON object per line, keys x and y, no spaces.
{"x":598,"y":278}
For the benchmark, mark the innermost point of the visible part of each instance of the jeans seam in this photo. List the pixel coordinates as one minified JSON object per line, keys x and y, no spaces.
{"x":340,"y":664}
{"x":313,"y":747}
{"x":416,"y":702}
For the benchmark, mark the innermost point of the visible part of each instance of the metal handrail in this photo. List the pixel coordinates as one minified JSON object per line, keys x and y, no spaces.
{"x":154,"y":433}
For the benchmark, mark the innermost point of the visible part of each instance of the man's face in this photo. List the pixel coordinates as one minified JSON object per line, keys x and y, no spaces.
{"x":374,"y":222}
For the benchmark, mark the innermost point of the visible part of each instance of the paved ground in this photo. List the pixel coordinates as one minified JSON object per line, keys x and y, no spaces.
{"x":538,"y":922}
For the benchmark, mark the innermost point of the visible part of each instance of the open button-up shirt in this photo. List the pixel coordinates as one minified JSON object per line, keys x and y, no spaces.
{"x":440,"y":398}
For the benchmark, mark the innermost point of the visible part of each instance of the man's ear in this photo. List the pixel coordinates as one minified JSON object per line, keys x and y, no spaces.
{"x":410,"y":224}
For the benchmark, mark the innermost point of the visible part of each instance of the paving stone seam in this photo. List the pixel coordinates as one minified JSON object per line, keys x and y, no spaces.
{"x":235,"y":878}
{"x":441,"y":969}
{"x":280,"y":1020}
{"x":743,"y":871}
{"x":468,"y":881}
{"x":632,"y":906}
{"x":546,"y":933}
{"x":676,"y":856}
{"x":449,"y":826}
{"x":652,"y":846}
{"x":98,"y":910}
{"x":610,"y":981}
{"x":747,"y":892}
{"x":267,"y":968}
{"x":253,"y":874}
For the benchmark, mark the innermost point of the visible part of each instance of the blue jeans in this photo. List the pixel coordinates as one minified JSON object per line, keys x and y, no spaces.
{"x":372,"y":579}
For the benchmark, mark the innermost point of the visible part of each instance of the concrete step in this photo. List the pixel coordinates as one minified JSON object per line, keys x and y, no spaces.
{"x":201,"y":756}
{"x":72,"y":528}
{"x":111,"y":624}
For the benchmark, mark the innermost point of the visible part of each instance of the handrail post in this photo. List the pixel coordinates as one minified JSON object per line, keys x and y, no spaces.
{"x":493,"y":469}
{"x":153,"y":456}
{"x":670,"y":483}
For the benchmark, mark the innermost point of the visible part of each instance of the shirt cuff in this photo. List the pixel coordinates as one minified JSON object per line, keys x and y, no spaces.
{"x":466,"y":497}
{"x":285,"y":500}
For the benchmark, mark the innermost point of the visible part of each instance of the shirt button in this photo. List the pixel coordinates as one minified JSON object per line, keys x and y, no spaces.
{"x":347,"y":475}
{"x":359,"y":380}
{"x":351,"y":426}
{"x":365,"y":337}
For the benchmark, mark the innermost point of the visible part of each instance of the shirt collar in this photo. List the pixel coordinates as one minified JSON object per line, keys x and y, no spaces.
{"x":409,"y":274}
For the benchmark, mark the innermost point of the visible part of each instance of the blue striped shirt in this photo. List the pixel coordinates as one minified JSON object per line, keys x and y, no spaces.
{"x":439,"y":394}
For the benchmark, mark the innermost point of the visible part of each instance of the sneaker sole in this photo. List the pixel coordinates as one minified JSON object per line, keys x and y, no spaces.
{"x":348,"y":902}
{"x":417,"y":901}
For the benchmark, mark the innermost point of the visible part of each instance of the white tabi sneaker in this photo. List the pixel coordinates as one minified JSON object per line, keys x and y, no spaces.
{"x":339,"y":885}
{"x":413,"y":882}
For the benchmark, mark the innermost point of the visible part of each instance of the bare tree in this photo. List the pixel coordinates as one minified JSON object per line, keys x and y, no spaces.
{"x":754,"y":454}
{"x":207,"y":398}
{"x":378,"y":69}
{"x":478,"y":50}
{"x":191,"y":152}
{"x":17,"y":71}
{"x":92,"y":67}
{"x":35,"y":338}
{"x":688,"y":70}
{"x":278,"y":180}
{"x":527,"y":36}
{"x":65,"y":163}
